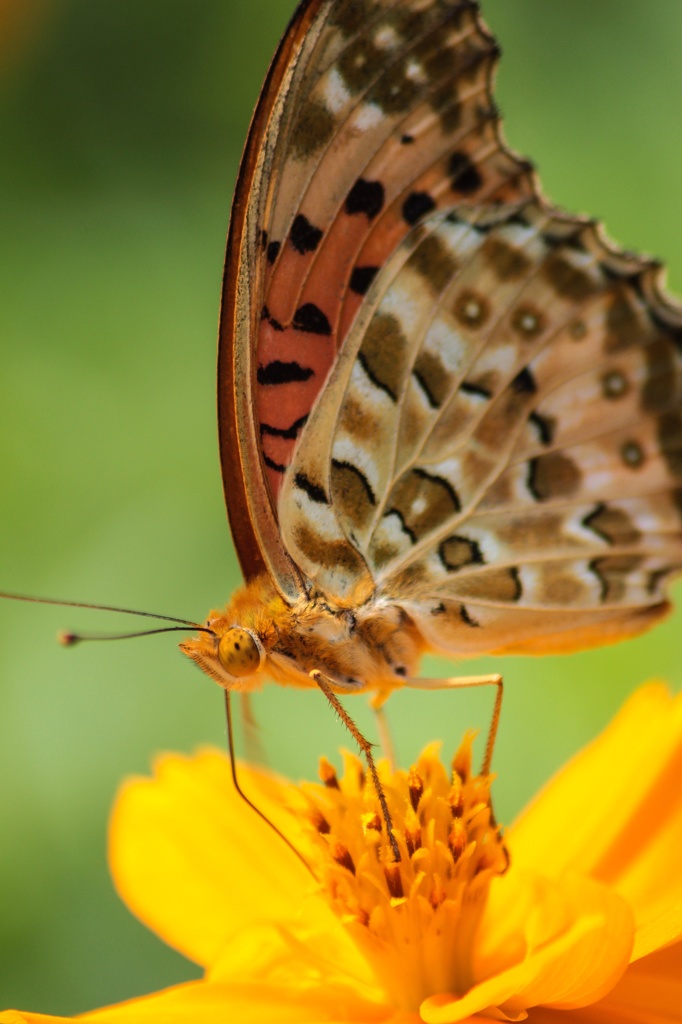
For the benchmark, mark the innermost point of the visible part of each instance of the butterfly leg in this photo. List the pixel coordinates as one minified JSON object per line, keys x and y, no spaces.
{"x":462,"y":683}
{"x":385,"y":739}
{"x":242,"y":794}
{"x":366,"y":748}
{"x":250,"y":731}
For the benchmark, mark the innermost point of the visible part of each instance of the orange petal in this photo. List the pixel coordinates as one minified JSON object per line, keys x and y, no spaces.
{"x":650,"y":992}
{"x":574,"y":967}
{"x":250,"y":1003}
{"x":274,"y":955}
{"x":196,"y":864}
{"x":615,"y":813}
{"x":650,"y":989}
{"x":15,"y":1017}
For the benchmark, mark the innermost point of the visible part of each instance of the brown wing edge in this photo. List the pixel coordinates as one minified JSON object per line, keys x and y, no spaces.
{"x":249,"y":505}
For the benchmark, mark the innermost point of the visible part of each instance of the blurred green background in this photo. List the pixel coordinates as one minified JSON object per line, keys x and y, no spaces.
{"x":122,"y":124}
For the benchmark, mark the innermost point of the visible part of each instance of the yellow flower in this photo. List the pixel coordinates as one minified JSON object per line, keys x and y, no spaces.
{"x":574,"y":916}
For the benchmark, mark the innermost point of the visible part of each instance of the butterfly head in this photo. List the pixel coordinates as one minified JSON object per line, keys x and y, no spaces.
{"x":231,"y":654}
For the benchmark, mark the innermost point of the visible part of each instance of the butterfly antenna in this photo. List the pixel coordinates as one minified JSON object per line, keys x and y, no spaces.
{"x":99,"y":608}
{"x":71,"y":639}
{"x":242,"y":794}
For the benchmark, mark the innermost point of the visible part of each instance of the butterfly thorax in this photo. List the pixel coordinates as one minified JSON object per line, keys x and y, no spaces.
{"x":373,"y":647}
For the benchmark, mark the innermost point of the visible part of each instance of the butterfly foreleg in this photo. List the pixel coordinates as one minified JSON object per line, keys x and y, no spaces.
{"x":463,"y":683}
{"x":365,"y":746}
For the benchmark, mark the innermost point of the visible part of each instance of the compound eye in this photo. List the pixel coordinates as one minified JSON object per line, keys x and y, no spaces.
{"x":238,"y":652}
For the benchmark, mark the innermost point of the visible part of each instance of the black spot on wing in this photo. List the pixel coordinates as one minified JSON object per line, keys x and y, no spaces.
{"x":656,"y":577}
{"x":544,"y":427}
{"x":430,"y":397}
{"x":361,"y":279}
{"x":265,"y":315}
{"x":311,"y":319}
{"x":524,"y":383}
{"x":406,"y":139}
{"x":467,"y":618}
{"x":304,"y":236}
{"x":440,"y":481}
{"x":289,"y":433}
{"x":273,"y":251}
{"x":359,"y":475}
{"x":278,"y":372}
{"x":416,"y":206}
{"x":457,"y":552}
{"x":612,"y":524}
{"x":366,"y":197}
{"x":403,"y":525}
{"x":313,"y":490}
{"x":271,"y":464}
{"x":474,"y":389}
{"x":552,"y":476}
{"x":516,"y":580}
{"x":612,"y":573}
{"x":465,"y":178}
{"x":364,"y":363}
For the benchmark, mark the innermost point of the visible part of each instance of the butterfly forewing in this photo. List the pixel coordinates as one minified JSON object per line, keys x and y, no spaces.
{"x":374,"y":114}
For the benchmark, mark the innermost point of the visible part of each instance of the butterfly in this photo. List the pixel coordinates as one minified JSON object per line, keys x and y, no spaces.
{"x":450,"y":414}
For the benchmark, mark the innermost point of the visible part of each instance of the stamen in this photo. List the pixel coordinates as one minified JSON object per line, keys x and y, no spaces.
{"x":461,"y":762}
{"x":394,"y":880}
{"x":342,"y":856}
{"x":371,"y":822}
{"x":455,"y":797}
{"x":413,"y":832}
{"x":457,"y":840}
{"x":327,"y":774}
{"x":437,"y":895}
{"x":416,"y":785}
{"x":319,"y":822}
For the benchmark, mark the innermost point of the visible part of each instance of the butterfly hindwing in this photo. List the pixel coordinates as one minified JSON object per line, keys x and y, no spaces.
{"x":500,"y":443}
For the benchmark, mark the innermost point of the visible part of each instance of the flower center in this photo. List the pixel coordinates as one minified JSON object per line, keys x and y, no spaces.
{"x":415,"y":920}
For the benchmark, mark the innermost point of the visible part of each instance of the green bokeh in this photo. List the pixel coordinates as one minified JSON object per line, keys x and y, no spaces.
{"x":121,"y":128}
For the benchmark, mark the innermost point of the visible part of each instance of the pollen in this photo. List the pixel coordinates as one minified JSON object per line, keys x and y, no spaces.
{"x":433,"y":898}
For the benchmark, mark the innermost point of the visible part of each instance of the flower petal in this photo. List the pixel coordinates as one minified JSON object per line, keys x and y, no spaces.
{"x":575,"y":966}
{"x":196,"y":864}
{"x":249,"y":1003}
{"x":649,"y":989}
{"x":650,"y":992}
{"x":615,"y":813}
{"x":274,"y":955}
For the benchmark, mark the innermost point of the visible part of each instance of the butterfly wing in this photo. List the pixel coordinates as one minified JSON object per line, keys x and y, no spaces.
{"x":499,"y":446}
{"x":374,"y":114}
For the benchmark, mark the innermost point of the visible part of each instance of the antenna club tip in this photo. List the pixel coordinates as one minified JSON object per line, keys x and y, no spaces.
{"x":67,"y":639}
